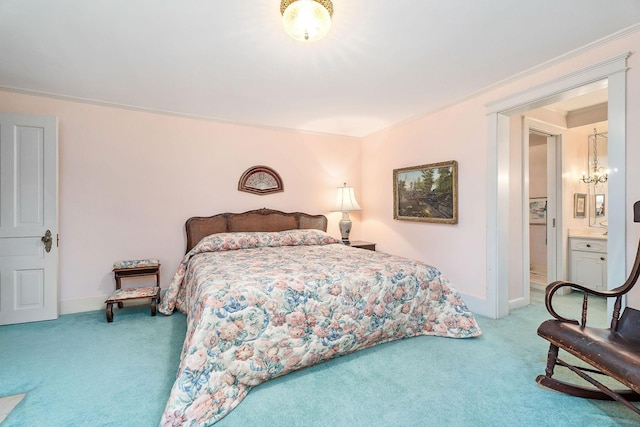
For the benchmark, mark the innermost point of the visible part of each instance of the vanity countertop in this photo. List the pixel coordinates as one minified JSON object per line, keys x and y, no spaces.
{"x":596,"y":233}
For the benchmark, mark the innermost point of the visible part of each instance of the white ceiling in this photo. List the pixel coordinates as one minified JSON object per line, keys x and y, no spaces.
{"x":596,"y":97}
{"x":383,"y":62}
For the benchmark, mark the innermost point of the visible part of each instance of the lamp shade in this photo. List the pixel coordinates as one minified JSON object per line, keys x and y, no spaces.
{"x":306,"y":20}
{"x":346,"y":200}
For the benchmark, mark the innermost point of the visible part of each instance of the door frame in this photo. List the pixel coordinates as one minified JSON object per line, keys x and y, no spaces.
{"x":610,"y":73}
{"x":554,"y":230}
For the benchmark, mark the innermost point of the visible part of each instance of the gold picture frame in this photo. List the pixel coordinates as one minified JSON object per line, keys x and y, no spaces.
{"x":426,"y":193}
{"x":579,"y":205}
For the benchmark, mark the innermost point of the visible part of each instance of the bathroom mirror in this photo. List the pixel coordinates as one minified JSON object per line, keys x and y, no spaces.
{"x":599,"y":206}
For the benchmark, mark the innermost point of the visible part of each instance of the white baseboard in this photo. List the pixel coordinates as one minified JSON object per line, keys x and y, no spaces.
{"x":482,"y":307}
{"x":478,"y":305}
{"x":82,"y":305}
{"x":517,"y":303}
{"x":475,"y":304}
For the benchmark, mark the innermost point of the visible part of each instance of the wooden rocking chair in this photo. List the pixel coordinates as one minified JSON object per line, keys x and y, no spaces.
{"x":614,"y":351}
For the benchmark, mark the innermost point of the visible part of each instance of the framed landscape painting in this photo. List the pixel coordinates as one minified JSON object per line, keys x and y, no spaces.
{"x":427,"y":193}
{"x":538,"y":210}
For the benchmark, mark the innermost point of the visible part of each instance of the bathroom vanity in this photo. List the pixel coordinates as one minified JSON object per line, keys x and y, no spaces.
{"x":588,"y":260}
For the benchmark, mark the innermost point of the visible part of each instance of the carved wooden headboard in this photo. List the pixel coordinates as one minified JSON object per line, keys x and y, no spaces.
{"x":199,"y":227}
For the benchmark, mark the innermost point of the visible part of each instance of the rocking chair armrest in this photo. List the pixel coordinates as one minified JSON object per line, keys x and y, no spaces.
{"x":552,"y":288}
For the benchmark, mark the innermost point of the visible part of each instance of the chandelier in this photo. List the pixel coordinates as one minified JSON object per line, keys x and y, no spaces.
{"x":306,"y":20}
{"x":597,"y":174}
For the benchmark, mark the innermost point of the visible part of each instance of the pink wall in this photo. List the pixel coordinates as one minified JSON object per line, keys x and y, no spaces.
{"x":129,"y":180}
{"x":457,"y":133}
{"x":460,"y":133}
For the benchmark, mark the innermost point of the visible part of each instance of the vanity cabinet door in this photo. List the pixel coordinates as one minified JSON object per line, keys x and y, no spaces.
{"x":589,"y":269}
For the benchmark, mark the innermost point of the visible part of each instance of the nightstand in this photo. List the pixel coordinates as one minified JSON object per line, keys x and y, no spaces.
{"x":134,"y":268}
{"x":363,"y":245}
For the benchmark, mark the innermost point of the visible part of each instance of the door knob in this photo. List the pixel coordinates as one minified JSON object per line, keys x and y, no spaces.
{"x":47,"y":240}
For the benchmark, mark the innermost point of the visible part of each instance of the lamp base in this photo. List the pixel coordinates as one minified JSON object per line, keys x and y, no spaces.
{"x":345,"y":227}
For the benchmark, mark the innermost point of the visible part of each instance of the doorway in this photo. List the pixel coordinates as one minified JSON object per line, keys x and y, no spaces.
{"x":538,"y":210}
{"x":556,"y":157}
{"x":503,"y":230}
{"x":542,"y":208}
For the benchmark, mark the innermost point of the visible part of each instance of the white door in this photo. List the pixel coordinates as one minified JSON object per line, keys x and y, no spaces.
{"x":28,"y":213}
{"x":554,"y":207}
{"x":555,"y":247}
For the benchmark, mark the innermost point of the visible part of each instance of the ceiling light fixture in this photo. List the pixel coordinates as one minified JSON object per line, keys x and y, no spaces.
{"x":597,"y":173}
{"x":306,"y":20}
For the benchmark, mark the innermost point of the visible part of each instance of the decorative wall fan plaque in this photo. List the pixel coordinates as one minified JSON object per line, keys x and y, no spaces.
{"x":260,"y":180}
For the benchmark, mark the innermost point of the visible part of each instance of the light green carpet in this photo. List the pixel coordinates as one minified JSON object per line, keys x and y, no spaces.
{"x":81,"y":371}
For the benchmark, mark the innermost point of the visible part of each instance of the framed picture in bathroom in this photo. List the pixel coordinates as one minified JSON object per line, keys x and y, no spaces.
{"x":579,"y":205}
{"x":538,"y":210}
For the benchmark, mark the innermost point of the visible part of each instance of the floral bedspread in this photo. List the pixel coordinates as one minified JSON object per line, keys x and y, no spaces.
{"x":260,"y":305}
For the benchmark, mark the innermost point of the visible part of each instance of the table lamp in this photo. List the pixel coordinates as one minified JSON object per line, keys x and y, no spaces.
{"x":345,"y":203}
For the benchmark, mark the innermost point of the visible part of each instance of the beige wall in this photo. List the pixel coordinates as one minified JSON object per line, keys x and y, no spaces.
{"x":129,"y":180}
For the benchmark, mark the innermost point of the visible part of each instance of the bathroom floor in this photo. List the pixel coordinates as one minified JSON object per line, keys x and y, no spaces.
{"x":538,"y":278}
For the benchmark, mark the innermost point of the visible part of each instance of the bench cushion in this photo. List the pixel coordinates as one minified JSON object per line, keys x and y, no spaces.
{"x":608,"y":352}
{"x":136,"y":263}
{"x":134,"y":293}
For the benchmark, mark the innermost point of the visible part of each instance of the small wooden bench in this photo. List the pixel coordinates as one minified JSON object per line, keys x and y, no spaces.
{"x":613,"y":351}
{"x":134,"y":268}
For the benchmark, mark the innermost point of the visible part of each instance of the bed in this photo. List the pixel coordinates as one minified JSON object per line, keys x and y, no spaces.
{"x":268,"y":292}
